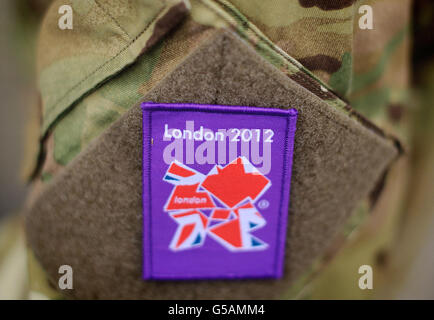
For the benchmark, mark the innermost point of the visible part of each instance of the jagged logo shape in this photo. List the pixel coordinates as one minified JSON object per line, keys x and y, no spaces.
{"x":220,"y":205}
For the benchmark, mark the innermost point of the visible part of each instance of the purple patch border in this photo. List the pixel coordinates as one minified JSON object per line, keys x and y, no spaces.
{"x":147,"y":109}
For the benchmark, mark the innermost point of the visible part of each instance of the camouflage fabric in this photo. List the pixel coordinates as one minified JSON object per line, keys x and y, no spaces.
{"x":88,"y":77}
{"x":314,"y":47}
{"x":14,"y":282}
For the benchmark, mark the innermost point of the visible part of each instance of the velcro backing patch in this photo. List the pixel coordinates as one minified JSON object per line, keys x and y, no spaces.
{"x":90,"y":215}
{"x":216,"y":185}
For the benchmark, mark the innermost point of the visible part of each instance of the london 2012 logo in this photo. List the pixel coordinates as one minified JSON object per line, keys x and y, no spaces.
{"x":220,"y":204}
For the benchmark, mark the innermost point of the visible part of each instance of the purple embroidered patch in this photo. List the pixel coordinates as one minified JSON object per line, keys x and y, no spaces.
{"x":216,"y":185}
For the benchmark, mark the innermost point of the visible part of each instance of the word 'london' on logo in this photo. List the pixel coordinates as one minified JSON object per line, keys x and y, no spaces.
{"x":204,"y":146}
{"x":220,"y":204}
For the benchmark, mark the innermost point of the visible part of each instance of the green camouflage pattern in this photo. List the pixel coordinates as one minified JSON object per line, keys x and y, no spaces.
{"x":71,"y":121}
{"x":71,"y":62}
{"x":313,"y":42}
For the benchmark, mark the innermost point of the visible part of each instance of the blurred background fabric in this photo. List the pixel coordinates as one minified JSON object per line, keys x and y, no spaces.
{"x":400,"y":246}
{"x":19,"y":21}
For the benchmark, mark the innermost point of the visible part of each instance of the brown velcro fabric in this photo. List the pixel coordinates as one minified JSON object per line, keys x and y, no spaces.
{"x":90,"y":216}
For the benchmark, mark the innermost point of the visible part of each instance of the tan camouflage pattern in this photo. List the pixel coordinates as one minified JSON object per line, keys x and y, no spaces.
{"x":317,"y":43}
{"x":381,"y":68}
{"x":312,"y":42}
{"x":71,"y":62}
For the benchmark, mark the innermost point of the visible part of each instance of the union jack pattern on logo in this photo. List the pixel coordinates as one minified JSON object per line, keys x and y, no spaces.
{"x":220,"y":204}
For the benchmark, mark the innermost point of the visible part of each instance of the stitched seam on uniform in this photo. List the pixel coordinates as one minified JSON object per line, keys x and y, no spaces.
{"x":306,"y":76}
{"x":347,"y":128}
{"x":100,"y":67}
{"x":270,"y":45}
{"x":111,"y":17}
{"x":309,"y":77}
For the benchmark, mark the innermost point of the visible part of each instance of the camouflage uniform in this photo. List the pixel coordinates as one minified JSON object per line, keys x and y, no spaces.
{"x":90,"y":76}
{"x":312,"y":41}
